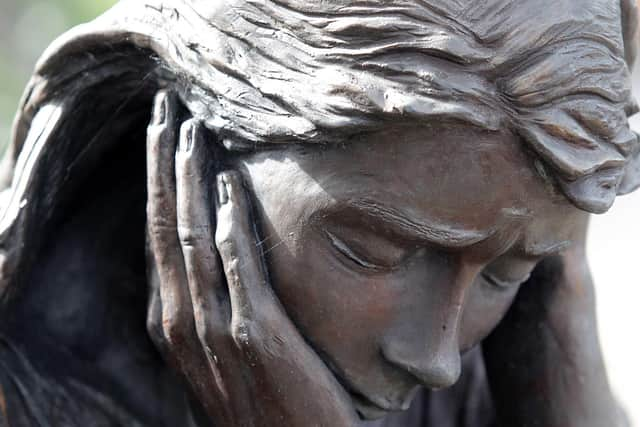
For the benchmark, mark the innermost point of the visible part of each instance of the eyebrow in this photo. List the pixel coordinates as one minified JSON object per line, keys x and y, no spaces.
{"x":439,"y":234}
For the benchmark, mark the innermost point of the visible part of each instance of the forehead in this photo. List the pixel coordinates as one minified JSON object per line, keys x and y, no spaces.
{"x":456,"y":173}
{"x":456,"y":176}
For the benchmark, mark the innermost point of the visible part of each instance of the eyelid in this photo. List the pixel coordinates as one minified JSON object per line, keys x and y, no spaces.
{"x":503,"y":284}
{"x":349,"y":253}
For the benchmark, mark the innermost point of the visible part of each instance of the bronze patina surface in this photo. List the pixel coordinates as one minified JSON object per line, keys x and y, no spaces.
{"x":315,"y":213}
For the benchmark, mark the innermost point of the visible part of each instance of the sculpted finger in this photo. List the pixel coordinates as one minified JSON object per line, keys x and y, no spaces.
{"x":154,"y":308}
{"x":238,"y":247}
{"x":154,"y":311}
{"x":161,"y":142}
{"x":170,"y":295}
{"x":196,"y":230}
{"x":177,"y":314}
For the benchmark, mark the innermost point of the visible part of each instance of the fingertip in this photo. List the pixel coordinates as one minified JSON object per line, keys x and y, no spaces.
{"x":160,"y":108}
{"x":165,"y":107}
{"x":233,"y":184}
{"x":221,"y":187}
{"x":188,"y":134}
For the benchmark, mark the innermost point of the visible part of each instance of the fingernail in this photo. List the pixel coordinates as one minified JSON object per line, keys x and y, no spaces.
{"x":195,"y":128}
{"x":160,"y":108}
{"x":223,"y":195}
{"x":187,"y":136}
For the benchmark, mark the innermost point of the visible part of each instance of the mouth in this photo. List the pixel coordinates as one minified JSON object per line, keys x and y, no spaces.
{"x":366,"y":409}
{"x":372,"y":408}
{"x":369,"y":407}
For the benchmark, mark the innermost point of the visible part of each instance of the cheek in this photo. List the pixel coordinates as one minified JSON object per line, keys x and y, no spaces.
{"x":344,"y":315}
{"x":484,"y":309}
{"x":330,"y":304}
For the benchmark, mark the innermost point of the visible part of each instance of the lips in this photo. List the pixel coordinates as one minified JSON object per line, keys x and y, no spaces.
{"x":371,"y":408}
{"x":366,"y":409}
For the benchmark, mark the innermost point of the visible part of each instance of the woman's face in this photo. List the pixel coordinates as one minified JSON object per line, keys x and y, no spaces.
{"x":398,"y":251}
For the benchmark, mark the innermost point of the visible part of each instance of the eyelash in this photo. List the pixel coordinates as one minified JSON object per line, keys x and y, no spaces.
{"x":501,"y":284}
{"x":345,"y":250}
{"x":348,"y":253}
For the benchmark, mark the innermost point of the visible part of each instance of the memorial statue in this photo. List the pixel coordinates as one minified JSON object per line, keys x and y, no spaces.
{"x":315,"y":213}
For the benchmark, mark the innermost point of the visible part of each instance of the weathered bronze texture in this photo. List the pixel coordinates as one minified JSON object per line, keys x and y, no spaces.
{"x":315,"y":213}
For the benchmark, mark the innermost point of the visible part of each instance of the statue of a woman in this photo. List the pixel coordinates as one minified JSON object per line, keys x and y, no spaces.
{"x":315,"y":213}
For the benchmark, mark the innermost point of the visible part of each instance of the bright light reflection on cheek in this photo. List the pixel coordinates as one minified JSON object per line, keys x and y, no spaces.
{"x":287,"y":197}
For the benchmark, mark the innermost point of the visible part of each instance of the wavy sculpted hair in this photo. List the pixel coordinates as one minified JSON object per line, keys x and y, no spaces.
{"x":260,"y":72}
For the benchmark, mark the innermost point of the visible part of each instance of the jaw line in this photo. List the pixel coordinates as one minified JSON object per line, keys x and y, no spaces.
{"x":356,"y":395}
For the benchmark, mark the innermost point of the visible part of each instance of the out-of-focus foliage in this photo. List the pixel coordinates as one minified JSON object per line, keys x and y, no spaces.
{"x":26,"y":29}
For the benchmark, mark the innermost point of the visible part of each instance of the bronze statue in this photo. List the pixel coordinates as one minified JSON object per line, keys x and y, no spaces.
{"x":315,"y":213}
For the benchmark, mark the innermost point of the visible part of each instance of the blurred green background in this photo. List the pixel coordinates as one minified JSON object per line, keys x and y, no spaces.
{"x":26,"y":29}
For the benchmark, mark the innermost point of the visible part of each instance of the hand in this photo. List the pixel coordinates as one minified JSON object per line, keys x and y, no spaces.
{"x":546,"y":351}
{"x":212,"y":313}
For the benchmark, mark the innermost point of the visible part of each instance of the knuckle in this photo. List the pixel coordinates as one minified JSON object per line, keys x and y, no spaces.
{"x":244,"y":333}
{"x":175,"y":329}
{"x":187,"y":238}
{"x":192,"y":237}
{"x":225,"y":226}
{"x":160,"y":209}
{"x":225,"y":244}
{"x":221,"y":240}
{"x":227,"y":238}
{"x":158,"y":226}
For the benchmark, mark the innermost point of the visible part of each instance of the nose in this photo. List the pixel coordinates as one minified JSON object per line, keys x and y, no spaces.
{"x":425,"y":341}
{"x":435,"y":364}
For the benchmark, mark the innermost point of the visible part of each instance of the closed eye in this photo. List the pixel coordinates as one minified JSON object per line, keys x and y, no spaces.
{"x":501,"y":283}
{"x":345,"y":250}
